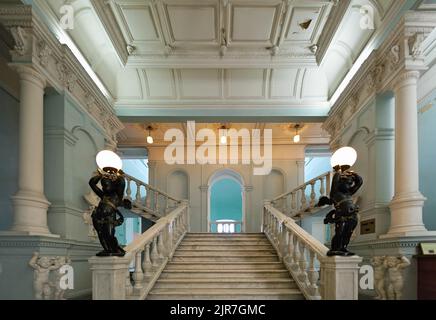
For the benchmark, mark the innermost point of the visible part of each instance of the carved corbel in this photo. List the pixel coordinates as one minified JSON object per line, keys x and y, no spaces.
{"x":22,"y":41}
{"x":415,"y":45}
{"x":44,"y":53}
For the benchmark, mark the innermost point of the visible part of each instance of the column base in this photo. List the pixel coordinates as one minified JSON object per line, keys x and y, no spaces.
{"x":30,"y":214}
{"x":406,"y":216}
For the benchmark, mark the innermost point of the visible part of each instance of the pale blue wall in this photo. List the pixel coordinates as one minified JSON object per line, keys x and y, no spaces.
{"x":9,"y":147}
{"x":226,"y":201}
{"x":316,"y":166}
{"x":72,"y":141}
{"x":427,"y":158}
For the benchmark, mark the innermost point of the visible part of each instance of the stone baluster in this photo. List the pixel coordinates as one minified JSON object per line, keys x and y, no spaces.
{"x":312,"y":195}
{"x":156,"y":201}
{"x":128,"y":189}
{"x":169,"y":239}
{"x":302,"y":276}
{"x":160,"y":246}
{"x":328,"y":182}
{"x":293,"y":202}
{"x":154,"y":254}
{"x":148,"y":197}
{"x":296,"y":255}
{"x":303,"y":198}
{"x":138,"y":193}
{"x":128,"y":284}
{"x":313,"y":275}
{"x":138,"y":275}
{"x":290,"y":248}
{"x":147,"y":266}
{"x":167,"y":205}
{"x":321,"y":187}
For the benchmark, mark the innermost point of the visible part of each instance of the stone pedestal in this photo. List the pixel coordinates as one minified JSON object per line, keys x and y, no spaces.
{"x":109,"y":277}
{"x":341,"y":278}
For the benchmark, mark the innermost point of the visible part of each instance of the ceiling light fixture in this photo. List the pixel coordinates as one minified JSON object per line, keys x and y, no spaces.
{"x":223,"y":134}
{"x":297,"y":137}
{"x":150,"y":139}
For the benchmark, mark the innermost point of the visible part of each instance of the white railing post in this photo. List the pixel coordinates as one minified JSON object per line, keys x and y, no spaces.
{"x":138,"y":275}
{"x":146,"y":264}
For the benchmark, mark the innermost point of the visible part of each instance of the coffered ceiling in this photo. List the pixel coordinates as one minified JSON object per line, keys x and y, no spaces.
{"x":218,"y":60}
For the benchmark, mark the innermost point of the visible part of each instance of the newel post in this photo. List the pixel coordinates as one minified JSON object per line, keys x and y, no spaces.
{"x":340,"y":277}
{"x":109,"y":277}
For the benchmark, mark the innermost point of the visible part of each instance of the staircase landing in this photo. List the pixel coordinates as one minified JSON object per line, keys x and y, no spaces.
{"x":210,"y":266}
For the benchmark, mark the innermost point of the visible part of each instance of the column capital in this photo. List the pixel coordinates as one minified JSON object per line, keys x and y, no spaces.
{"x":407,"y":77}
{"x":28,"y":73}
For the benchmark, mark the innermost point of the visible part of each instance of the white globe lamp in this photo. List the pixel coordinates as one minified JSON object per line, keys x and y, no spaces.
{"x":344,"y":158}
{"x":108,"y":161}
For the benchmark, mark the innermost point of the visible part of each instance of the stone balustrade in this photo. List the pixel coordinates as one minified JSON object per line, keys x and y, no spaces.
{"x":131,"y":277}
{"x":318,"y":276}
{"x":147,"y":200}
{"x":303,"y":198}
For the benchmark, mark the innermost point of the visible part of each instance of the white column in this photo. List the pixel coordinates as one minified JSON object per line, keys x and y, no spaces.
{"x":406,"y":206}
{"x":30,"y":204}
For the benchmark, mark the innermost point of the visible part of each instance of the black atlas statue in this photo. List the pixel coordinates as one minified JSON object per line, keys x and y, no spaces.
{"x":106,"y":215}
{"x":345,"y":184}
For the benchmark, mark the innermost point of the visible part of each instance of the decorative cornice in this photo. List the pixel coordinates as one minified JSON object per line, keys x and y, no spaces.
{"x":38,"y":48}
{"x":399,"y":58}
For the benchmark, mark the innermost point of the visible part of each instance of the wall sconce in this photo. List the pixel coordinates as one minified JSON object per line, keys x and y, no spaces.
{"x":297,"y":137}
{"x":150,"y":139}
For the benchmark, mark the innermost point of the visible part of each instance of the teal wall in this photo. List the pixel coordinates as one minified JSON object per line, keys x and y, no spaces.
{"x":225,"y":201}
{"x":427,"y":158}
{"x":72,"y":140}
{"x":9,"y":166}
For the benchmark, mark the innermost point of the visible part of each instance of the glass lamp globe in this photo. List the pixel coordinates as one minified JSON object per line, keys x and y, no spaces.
{"x":223,"y":139}
{"x":344,"y":157}
{"x":297,"y":138}
{"x":108,"y":159}
{"x":150,"y":140}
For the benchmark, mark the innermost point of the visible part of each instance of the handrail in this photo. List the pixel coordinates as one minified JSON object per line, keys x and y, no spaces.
{"x":317,"y":275}
{"x":296,"y":202}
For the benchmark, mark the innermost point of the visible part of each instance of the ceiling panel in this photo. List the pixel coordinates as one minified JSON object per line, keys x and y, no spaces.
{"x":252,"y":23}
{"x":160,"y":83}
{"x":302,"y":23}
{"x":283,"y":83}
{"x":200,"y":83}
{"x":192,"y":23}
{"x":247,"y":83}
{"x":140,"y":23}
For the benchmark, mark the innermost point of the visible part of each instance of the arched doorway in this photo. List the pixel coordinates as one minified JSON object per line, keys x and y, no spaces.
{"x":226,"y":202}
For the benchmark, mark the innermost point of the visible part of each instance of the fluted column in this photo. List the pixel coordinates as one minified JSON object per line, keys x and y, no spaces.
{"x":406,"y":206}
{"x":30,"y":204}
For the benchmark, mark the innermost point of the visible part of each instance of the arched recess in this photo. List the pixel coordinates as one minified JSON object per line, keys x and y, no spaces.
{"x":274,"y":184}
{"x":222,"y":175}
{"x":178,"y":184}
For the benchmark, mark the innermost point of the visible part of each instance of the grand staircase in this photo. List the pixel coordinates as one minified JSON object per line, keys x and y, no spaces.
{"x":225,"y":267}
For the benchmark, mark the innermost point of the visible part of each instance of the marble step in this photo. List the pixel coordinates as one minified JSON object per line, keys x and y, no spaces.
{"x":235,"y":283}
{"x":225,"y":274}
{"x":224,"y":246}
{"x":212,"y":242}
{"x":225,"y":294}
{"x":224,"y":258}
{"x":225,"y":266}
{"x":216,"y":252}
